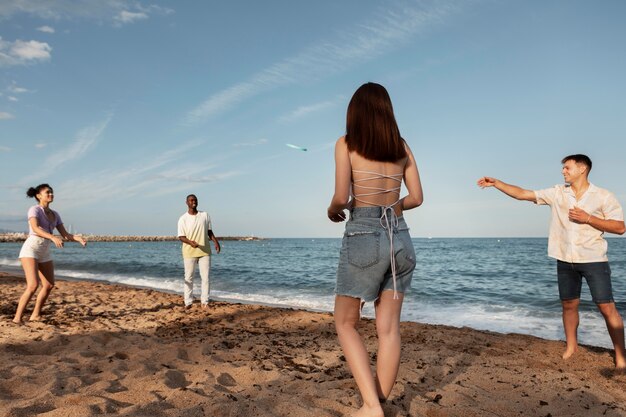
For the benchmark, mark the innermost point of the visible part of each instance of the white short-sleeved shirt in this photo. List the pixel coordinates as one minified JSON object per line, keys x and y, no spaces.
{"x":574,"y":242}
{"x":196,"y":228}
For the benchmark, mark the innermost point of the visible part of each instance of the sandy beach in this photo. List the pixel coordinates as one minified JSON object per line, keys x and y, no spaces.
{"x":108,"y":349}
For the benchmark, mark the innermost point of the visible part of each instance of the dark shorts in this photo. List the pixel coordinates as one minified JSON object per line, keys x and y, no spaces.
{"x":597,"y":274}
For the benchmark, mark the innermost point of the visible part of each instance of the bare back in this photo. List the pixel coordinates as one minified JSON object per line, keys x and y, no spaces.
{"x":376,"y":183}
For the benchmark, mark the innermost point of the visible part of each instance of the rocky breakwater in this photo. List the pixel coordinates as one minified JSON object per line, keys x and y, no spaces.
{"x":20,"y":237}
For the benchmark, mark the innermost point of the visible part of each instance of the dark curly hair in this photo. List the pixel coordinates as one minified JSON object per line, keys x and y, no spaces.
{"x":33,"y":191}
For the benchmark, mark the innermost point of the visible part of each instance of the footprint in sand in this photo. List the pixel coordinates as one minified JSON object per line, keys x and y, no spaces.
{"x":120,"y":355}
{"x":108,"y":406}
{"x":226,"y":380}
{"x":18,"y":349}
{"x":31,"y":410}
{"x":175,"y":379}
{"x":115,"y":387}
{"x":182,"y":354}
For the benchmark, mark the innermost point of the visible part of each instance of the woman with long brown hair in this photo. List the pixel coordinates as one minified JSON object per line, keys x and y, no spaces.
{"x":377,"y":257}
{"x":35,"y":253}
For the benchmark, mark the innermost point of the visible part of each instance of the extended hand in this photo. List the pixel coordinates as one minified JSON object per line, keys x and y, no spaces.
{"x":578,"y":215}
{"x":485,"y":182}
{"x":217,"y":248}
{"x":81,"y":240}
{"x":58,"y":242}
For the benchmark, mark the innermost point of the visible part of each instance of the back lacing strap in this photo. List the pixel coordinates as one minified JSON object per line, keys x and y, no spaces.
{"x":389,"y":222}
{"x":391,"y":225}
{"x":370,"y":191}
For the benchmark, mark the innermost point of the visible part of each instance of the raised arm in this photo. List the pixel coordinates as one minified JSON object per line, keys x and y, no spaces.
{"x":413,"y":184}
{"x":343,"y":176}
{"x":514,"y":191}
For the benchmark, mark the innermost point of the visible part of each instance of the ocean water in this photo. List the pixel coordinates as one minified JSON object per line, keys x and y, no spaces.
{"x":506,"y":285}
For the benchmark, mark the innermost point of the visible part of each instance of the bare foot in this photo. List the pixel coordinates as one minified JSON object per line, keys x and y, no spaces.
{"x":205,"y":306}
{"x":366,"y":411}
{"x":569,"y":352}
{"x":34,"y":318}
{"x":18,"y":321}
{"x":620,"y":365}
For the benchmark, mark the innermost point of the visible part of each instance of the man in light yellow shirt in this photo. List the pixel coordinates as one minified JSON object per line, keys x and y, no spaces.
{"x":194,"y":227}
{"x":581,"y":214}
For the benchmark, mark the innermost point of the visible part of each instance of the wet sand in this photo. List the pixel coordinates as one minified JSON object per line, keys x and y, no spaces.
{"x":108,"y":349}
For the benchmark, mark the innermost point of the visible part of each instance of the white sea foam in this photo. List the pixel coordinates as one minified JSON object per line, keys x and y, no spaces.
{"x":306,"y":302}
{"x":171,"y":285}
{"x":324,"y":303}
{"x":508,"y":319}
{"x":10,"y":261}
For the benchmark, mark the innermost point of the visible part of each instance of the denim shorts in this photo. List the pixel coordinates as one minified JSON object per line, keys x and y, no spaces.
{"x":364,"y":269}
{"x":597,"y":274}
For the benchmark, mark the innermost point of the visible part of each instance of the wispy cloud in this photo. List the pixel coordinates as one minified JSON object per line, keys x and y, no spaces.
{"x":6,"y":116}
{"x":115,"y":11}
{"x":40,"y":145}
{"x":12,"y":98}
{"x":157,"y":174}
{"x":390,"y":29}
{"x":13,"y":88}
{"x":304,"y":111}
{"x":46,"y":29}
{"x":125,"y":17}
{"x":198,"y":178}
{"x":250,"y":144}
{"x":22,"y":52}
{"x":5,"y":149}
{"x":84,"y":141}
{"x":323,"y":147}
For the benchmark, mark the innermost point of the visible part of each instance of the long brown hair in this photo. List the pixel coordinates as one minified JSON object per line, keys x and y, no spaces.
{"x":371,"y":128}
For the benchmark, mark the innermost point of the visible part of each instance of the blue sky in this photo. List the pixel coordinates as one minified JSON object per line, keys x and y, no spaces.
{"x":125,"y":107}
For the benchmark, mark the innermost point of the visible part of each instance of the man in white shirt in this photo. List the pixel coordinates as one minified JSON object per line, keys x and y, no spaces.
{"x":193,"y":229}
{"x":581,"y":213}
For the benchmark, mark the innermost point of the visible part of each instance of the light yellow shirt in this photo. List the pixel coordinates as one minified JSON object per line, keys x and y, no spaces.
{"x":574,"y":242}
{"x":196,"y":228}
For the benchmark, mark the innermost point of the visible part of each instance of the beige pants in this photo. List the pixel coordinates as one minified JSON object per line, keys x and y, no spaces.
{"x":204,"y":263}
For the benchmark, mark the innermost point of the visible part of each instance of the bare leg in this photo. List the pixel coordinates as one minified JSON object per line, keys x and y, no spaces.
{"x":30,"y":272}
{"x":615,"y":325}
{"x":347,"y":312}
{"x":570,"y":323}
{"x":388,"y":329}
{"x":46,"y":276}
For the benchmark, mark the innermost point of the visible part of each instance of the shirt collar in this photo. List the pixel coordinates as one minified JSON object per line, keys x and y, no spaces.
{"x":592,"y":189}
